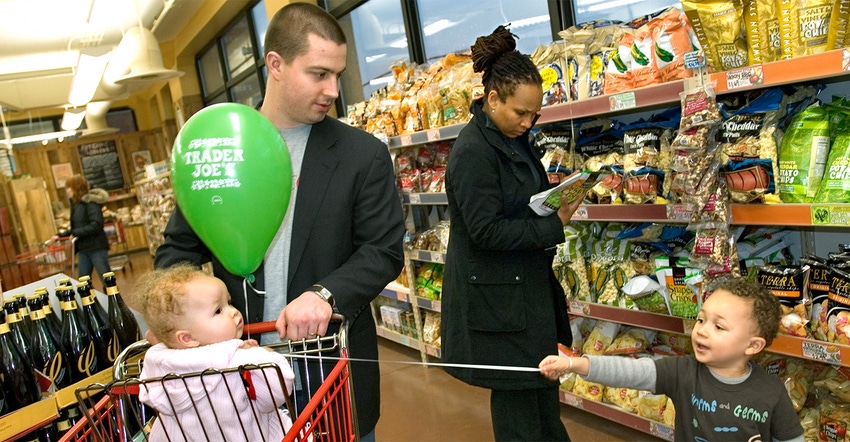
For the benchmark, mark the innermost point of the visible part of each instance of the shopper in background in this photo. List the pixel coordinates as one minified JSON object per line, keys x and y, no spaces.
{"x":502,"y":304}
{"x":340,"y":242}
{"x":189,"y":314}
{"x":718,"y":393}
{"x":91,"y":246}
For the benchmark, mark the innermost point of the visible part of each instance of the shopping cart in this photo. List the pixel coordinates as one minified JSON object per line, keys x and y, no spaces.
{"x":51,"y":257}
{"x":113,"y":413}
{"x":114,"y":230}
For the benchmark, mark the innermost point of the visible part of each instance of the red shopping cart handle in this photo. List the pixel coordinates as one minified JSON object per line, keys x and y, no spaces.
{"x":258,"y":327}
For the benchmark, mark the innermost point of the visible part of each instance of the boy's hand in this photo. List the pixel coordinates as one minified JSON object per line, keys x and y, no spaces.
{"x":553,"y":367}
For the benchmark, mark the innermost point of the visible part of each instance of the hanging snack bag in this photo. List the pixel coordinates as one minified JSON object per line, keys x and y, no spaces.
{"x":717,"y":25}
{"x":819,"y":290}
{"x":803,"y":155}
{"x":748,"y":152}
{"x":699,"y":107}
{"x":714,"y":249}
{"x":791,"y":285}
{"x":804,"y":27}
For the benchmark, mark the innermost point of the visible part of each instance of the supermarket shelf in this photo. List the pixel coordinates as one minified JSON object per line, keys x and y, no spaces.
{"x":407,"y":341}
{"x":819,"y":351}
{"x":426,"y":199}
{"x":426,"y":136}
{"x":622,"y":212}
{"x":428,"y":256}
{"x":806,"y":68}
{"x":629,"y":317}
{"x":657,"y":94}
{"x":618,"y":415}
{"x":396,"y":291}
{"x":428,"y":304}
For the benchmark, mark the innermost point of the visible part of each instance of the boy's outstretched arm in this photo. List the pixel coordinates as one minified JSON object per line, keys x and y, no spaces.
{"x":553,"y":367}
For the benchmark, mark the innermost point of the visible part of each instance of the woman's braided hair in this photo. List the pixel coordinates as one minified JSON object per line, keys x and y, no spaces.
{"x":504,"y":68}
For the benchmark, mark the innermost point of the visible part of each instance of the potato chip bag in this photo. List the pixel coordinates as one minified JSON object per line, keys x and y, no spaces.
{"x":718,"y":26}
{"x":630,"y":341}
{"x":838,"y":310}
{"x":804,"y":26}
{"x":835,"y":185}
{"x":600,"y":338}
{"x":618,"y":77}
{"x":803,"y":155}
{"x":819,"y":289}
{"x":589,"y":390}
{"x":791,"y":285}
{"x":838,"y":35}
{"x":625,"y":398}
{"x":651,"y":406}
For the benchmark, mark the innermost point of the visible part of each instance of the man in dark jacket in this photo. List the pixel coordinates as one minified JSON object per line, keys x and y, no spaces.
{"x":340,"y":242}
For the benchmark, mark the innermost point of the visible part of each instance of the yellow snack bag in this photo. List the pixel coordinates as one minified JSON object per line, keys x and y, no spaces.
{"x":718,"y":26}
{"x":804,"y":26}
{"x":838,"y":35}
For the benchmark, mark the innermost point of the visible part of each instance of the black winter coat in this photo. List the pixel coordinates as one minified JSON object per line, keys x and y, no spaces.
{"x":502,"y":304}
{"x":87,"y":222}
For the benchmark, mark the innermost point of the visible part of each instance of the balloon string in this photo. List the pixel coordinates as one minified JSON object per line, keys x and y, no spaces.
{"x":245,"y":285}
{"x":425,"y":364}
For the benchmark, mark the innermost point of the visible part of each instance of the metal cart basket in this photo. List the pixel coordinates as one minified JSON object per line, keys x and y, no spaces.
{"x":51,"y":257}
{"x":113,"y":412}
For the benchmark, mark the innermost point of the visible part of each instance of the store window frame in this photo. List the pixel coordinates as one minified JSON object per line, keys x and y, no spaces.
{"x":560,"y":17}
{"x":225,"y":93}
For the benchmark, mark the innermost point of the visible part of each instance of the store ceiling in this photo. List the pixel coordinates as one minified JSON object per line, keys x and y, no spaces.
{"x":41,"y":41}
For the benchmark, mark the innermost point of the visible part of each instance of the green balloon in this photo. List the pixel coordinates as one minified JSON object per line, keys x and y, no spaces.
{"x":232,"y":178}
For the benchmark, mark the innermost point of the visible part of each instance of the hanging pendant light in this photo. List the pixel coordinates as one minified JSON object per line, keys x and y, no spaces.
{"x":146,"y":59}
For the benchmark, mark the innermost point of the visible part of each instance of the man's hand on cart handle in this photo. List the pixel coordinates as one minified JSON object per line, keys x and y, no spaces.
{"x":305,"y":317}
{"x":56,"y":238}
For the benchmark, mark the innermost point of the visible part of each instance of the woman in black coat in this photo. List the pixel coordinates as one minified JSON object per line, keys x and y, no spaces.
{"x":502,"y":304}
{"x":91,"y":246}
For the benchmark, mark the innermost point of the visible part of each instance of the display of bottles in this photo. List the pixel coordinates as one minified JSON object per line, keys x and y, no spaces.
{"x":16,"y":329}
{"x":121,"y":319}
{"x":97,"y":323}
{"x":47,"y":355}
{"x":19,"y":382}
{"x":79,"y":347}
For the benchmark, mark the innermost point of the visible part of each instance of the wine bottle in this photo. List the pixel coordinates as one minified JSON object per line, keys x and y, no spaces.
{"x":26,"y":322}
{"x":19,"y":381}
{"x":79,"y":347}
{"x":16,"y":329}
{"x":47,"y":355}
{"x":55,"y":324}
{"x":94,"y":316}
{"x":121,"y":319}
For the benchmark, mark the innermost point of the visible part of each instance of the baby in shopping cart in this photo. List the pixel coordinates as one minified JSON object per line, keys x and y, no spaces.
{"x":189,"y":314}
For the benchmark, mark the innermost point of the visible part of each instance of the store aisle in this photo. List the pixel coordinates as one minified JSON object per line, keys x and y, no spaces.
{"x":426,"y":404}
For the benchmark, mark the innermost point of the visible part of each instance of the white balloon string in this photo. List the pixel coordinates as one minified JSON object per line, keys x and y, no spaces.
{"x":245,"y":285}
{"x":426,"y":364}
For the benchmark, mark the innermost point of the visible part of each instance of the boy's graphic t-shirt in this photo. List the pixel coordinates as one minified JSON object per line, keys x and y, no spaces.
{"x":707,"y":409}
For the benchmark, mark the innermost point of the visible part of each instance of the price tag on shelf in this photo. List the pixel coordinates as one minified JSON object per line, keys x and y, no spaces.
{"x":415,"y":198}
{"x":572,"y":400}
{"x":826,"y":215}
{"x":406,"y":140}
{"x":677,"y":212}
{"x":626,"y":100}
{"x":744,"y":77}
{"x":830,"y":354}
{"x":694,"y":60}
{"x":580,"y":213}
{"x":432,"y":351}
{"x":661,"y":431}
{"x":433,"y":134}
{"x":579,"y":308}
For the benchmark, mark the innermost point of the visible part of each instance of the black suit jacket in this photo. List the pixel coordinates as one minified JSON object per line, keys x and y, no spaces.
{"x":347,"y":235}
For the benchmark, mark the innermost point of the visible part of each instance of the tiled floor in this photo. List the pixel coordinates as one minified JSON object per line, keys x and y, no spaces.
{"x":425,"y":404}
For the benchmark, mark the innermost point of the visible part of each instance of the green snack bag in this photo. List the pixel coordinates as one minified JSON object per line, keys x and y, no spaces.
{"x":803,"y":155}
{"x":835,"y":186}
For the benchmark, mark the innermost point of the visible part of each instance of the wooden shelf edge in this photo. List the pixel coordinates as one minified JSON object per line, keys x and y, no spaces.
{"x":398,"y":338}
{"x":795,"y":70}
{"x":618,"y":415}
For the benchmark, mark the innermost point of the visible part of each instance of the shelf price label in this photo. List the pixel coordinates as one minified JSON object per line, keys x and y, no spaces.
{"x":580,"y":213}
{"x":745,"y":77}
{"x":572,"y":400}
{"x":830,"y":354}
{"x":661,"y":431}
{"x":406,"y":140}
{"x":415,"y":198}
{"x":827,"y":215}
{"x":626,"y":100}
{"x":579,"y":308}
{"x":433,"y":134}
{"x":678,"y":212}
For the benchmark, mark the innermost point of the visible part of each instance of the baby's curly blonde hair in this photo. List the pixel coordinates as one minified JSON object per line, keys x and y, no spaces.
{"x":158,"y":297}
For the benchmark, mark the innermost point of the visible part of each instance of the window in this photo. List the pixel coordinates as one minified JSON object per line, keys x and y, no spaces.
{"x":622,"y":10}
{"x":230,"y":69}
{"x":380,"y":32}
